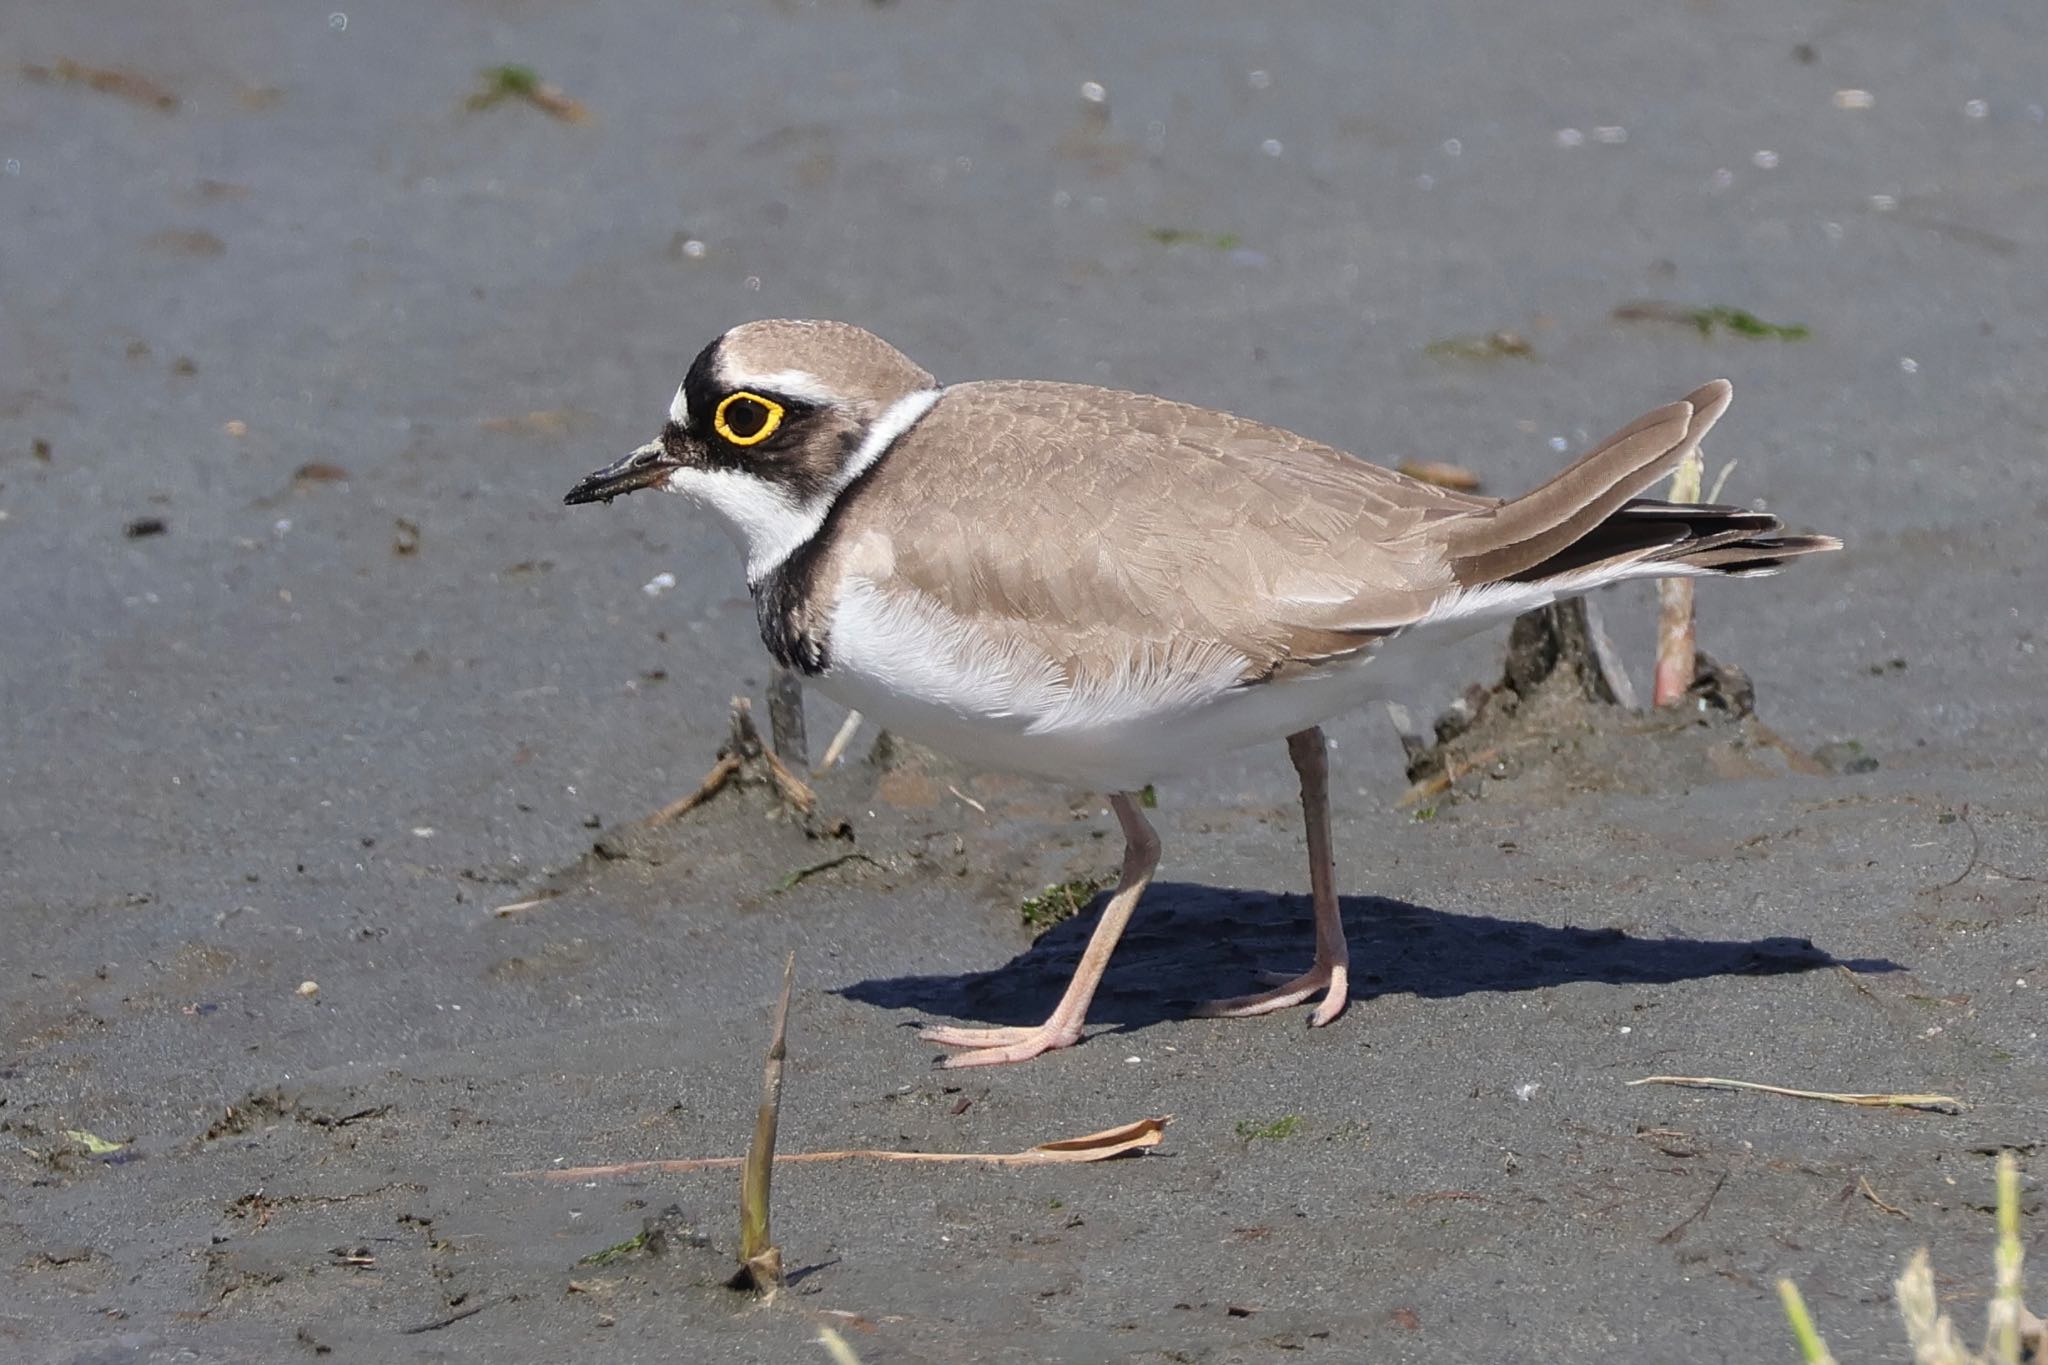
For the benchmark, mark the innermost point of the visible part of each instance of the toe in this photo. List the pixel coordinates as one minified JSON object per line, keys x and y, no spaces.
{"x":976,"y":1037}
{"x":1021,"y":1050}
{"x":1289,"y":993}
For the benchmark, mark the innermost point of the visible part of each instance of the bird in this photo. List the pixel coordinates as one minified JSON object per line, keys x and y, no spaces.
{"x":1109,"y":589}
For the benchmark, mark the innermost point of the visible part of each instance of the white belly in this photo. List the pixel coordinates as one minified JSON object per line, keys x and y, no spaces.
{"x":908,"y":666}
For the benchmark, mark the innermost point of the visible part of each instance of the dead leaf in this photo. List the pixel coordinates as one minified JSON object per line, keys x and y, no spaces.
{"x":524,"y":83}
{"x":128,"y":85}
{"x":1110,"y":1142}
{"x":94,"y":1144}
{"x":185,"y":242}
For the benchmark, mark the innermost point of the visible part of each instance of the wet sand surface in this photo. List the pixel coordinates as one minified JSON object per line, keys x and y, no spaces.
{"x":306,"y":670}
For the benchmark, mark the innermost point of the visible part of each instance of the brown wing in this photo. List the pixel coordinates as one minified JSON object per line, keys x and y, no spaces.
{"x":1109,"y":530}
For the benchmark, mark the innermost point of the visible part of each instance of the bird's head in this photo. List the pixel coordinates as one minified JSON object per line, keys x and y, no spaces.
{"x":774,"y":419}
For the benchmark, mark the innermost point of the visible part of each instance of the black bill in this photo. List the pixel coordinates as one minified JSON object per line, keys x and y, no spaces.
{"x":645,"y":467}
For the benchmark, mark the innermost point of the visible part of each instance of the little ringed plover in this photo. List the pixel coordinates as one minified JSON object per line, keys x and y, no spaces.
{"x":1110,"y":588}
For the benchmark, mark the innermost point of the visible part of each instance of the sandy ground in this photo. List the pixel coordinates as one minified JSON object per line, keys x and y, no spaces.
{"x":348,"y":341}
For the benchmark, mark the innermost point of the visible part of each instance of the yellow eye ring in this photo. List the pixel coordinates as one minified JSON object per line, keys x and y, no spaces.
{"x":771,"y":418}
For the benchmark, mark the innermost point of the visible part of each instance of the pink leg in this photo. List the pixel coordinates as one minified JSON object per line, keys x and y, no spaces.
{"x":1331,"y":972}
{"x":991,"y":1046}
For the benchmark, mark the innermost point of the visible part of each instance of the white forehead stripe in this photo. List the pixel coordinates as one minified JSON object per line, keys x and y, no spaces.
{"x":798,"y":384}
{"x":679,"y":408}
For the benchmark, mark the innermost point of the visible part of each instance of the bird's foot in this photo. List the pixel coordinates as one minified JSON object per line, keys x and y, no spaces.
{"x":995,"y":1046}
{"x":1331,"y":978}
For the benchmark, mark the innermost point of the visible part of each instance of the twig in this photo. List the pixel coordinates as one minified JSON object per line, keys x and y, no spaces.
{"x":449,"y":1321}
{"x":742,"y":748}
{"x":1976,"y":849}
{"x":786,"y":716}
{"x":966,"y":798}
{"x":1863,"y":1188}
{"x":714,"y":782}
{"x":515,"y":907}
{"x":840,"y":740}
{"x":794,"y":790}
{"x":1679,"y":1231}
{"x":1453,"y":771}
{"x":760,"y":1259}
{"x":803,"y":874}
{"x":1857,"y":982}
{"x":1944,"y":1104}
{"x":1110,"y":1142}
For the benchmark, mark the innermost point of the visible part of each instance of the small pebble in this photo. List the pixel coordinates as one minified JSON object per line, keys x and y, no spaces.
{"x":1976,"y":109}
{"x":1093,"y":92}
{"x":309,"y":989}
{"x":1570,"y":137}
{"x":1765,"y":160}
{"x":1854,"y":99}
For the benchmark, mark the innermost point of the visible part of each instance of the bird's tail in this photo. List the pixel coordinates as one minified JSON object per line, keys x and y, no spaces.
{"x":1589,"y":526}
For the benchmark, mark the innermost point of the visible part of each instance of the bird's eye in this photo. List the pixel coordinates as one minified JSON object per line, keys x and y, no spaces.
{"x":747,"y":419}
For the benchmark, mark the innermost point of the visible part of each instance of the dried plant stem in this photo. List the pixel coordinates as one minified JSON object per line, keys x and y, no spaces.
{"x":1928,"y":1328}
{"x":2013,"y":1334}
{"x":841,"y":1352}
{"x":1121,"y":1140}
{"x":760,"y":1259}
{"x":837,"y":747}
{"x":2002,"y":1329}
{"x":1884,"y":1100}
{"x":1812,"y":1349}
{"x":1676,"y":643}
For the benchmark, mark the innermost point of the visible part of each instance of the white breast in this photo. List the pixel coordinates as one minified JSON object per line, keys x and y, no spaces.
{"x":897,"y":656}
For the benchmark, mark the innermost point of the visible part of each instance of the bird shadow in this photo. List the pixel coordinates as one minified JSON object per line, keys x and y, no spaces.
{"x":1187,"y":943}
